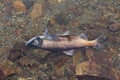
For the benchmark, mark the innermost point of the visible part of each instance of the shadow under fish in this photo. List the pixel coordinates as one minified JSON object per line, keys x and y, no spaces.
{"x":64,"y":43}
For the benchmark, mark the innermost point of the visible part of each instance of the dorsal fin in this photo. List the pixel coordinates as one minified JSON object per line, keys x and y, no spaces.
{"x":51,"y":37}
{"x":82,"y":35}
{"x":48,"y":36}
{"x":46,"y":32}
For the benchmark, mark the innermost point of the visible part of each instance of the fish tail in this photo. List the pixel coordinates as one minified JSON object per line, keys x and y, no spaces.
{"x":99,"y":43}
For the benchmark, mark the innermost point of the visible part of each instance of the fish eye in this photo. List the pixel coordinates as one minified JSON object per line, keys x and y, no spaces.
{"x":37,"y":42}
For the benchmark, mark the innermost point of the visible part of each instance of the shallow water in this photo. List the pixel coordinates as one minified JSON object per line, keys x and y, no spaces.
{"x":20,"y":21}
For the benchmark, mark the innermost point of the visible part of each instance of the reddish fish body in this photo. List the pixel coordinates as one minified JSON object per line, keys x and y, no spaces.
{"x":66,"y":43}
{"x":63,"y":43}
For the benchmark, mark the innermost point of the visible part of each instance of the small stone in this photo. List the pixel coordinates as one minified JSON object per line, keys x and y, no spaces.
{"x":25,"y":61}
{"x":61,"y":19}
{"x":19,"y":7}
{"x":18,"y":32}
{"x":28,"y":3}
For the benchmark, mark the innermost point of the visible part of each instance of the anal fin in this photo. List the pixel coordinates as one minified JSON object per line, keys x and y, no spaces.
{"x":69,"y":52}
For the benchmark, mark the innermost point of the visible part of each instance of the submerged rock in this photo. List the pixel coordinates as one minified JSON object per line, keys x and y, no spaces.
{"x":15,"y":54}
{"x":19,"y":7}
{"x":99,"y":65}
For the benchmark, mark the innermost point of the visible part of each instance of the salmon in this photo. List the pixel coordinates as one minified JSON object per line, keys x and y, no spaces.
{"x":65,"y":43}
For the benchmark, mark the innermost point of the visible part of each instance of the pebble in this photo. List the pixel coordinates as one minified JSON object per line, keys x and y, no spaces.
{"x":19,"y":7}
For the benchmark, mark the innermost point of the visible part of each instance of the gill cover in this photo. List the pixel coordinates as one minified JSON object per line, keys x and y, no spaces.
{"x":34,"y":42}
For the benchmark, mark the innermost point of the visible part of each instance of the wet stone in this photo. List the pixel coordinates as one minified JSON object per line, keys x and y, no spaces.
{"x":25,"y":61}
{"x":28,"y":3}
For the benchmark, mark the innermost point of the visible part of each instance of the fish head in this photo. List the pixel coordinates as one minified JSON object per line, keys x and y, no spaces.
{"x":35,"y":42}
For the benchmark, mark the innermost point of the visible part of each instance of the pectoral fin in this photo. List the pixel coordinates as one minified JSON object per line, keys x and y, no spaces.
{"x":69,"y":52}
{"x":82,"y":35}
{"x":46,"y":32}
{"x":67,"y":33}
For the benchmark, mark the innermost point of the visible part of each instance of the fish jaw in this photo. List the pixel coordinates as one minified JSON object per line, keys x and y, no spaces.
{"x":35,"y":42}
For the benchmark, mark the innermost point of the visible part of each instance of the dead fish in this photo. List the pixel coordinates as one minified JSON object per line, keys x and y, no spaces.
{"x":65,"y":43}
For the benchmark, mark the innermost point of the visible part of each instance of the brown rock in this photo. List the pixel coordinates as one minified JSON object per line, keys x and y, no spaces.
{"x":99,"y":65}
{"x":7,"y":69}
{"x":37,"y":11}
{"x":25,"y":61}
{"x":15,"y":54}
{"x":77,"y":57}
{"x":61,"y":19}
{"x":19,"y":7}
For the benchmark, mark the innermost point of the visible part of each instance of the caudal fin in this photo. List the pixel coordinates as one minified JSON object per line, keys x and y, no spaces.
{"x":99,"y":45}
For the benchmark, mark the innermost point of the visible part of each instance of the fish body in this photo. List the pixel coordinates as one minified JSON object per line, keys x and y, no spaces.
{"x":64,"y":42}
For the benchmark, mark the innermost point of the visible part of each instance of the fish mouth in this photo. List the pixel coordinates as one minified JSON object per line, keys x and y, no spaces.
{"x":35,"y":42}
